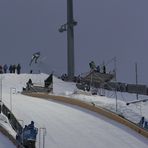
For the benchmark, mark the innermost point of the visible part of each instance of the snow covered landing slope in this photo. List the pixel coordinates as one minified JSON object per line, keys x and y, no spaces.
{"x":68,"y":126}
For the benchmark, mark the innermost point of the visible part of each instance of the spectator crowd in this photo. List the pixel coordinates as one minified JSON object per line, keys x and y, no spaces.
{"x":12,"y":68}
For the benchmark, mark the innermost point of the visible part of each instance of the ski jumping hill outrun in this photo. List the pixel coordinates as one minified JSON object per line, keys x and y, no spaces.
{"x":70,"y":126}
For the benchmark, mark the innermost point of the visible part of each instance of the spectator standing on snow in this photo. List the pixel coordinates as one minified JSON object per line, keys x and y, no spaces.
{"x":92,"y":65}
{"x":5,"y":67}
{"x":98,"y":68}
{"x":31,"y":71}
{"x":104,"y":69}
{"x":10,"y":68}
{"x":1,"y":69}
{"x":18,"y":68}
{"x":13,"y":68}
{"x":29,"y":84}
{"x":141,"y":123}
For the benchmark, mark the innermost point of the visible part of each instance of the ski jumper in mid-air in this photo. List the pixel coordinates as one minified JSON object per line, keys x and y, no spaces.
{"x":35,"y":57}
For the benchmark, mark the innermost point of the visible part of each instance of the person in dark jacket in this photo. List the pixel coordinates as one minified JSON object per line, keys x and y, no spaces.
{"x":104,"y":69}
{"x":1,"y":69}
{"x":92,"y":65}
{"x":13,"y":68}
{"x":98,"y":68}
{"x":31,"y":125}
{"x":141,"y":123}
{"x":5,"y":67}
{"x":29,"y":84}
{"x":18,"y":68}
{"x":10,"y":68}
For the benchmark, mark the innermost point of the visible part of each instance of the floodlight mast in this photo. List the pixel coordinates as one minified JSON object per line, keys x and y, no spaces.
{"x":69,"y":27}
{"x":70,"y":40}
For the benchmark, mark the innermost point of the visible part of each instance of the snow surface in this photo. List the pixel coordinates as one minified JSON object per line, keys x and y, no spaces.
{"x":5,"y":142}
{"x":133,"y":112}
{"x":69,"y":126}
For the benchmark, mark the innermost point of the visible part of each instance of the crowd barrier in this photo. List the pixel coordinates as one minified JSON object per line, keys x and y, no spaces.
{"x":123,"y":87}
{"x":14,"y":123}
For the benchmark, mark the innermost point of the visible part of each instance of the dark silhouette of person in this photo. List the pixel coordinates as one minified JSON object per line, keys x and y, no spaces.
{"x":29,"y":84}
{"x":92,"y":65}
{"x":98,"y":68}
{"x":9,"y":115}
{"x":146,"y":124}
{"x":10,"y":68}
{"x":1,"y":69}
{"x":13,"y":68}
{"x":35,"y":57}
{"x":31,"y":125}
{"x":141,"y":121}
{"x":5,"y":67}
{"x":31,"y":71}
{"x":104,"y":69}
{"x":18,"y":68}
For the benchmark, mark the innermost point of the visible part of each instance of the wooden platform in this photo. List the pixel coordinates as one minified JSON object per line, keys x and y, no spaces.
{"x":96,"y":77}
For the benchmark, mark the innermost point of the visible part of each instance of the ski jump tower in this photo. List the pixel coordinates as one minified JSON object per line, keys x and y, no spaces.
{"x":69,"y":27}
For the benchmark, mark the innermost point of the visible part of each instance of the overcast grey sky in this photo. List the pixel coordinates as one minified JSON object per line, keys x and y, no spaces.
{"x":106,"y":28}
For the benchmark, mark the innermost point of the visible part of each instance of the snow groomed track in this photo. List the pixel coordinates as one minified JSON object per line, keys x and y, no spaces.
{"x":92,"y":107}
{"x":71,"y":126}
{"x":68,"y":126}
